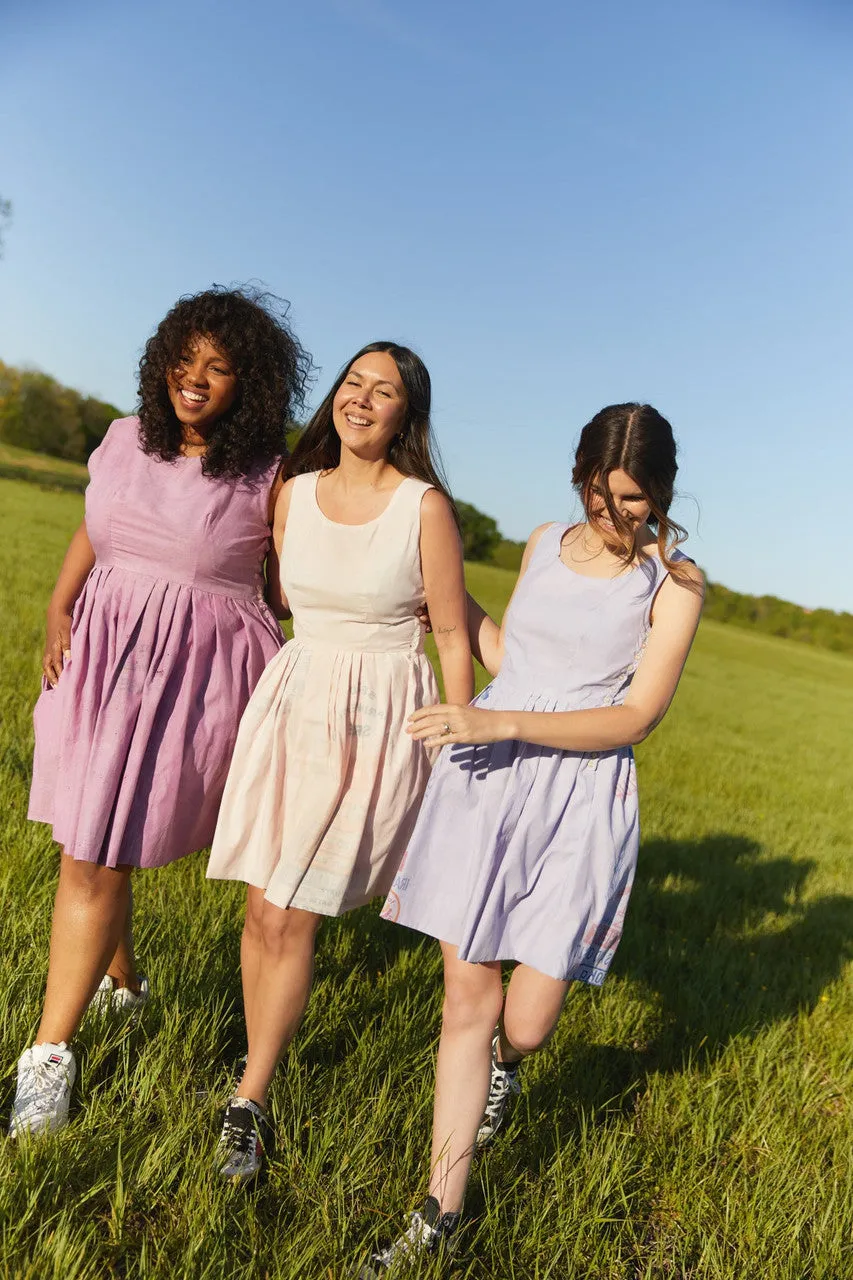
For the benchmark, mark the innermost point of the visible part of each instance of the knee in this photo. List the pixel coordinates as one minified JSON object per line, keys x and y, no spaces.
{"x":253,"y":924}
{"x":287,"y":931}
{"x":468,"y":1006}
{"x":91,"y":883}
{"x":526,"y":1032}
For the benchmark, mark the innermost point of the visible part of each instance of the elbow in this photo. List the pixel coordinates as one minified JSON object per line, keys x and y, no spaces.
{"x":643,"y":726}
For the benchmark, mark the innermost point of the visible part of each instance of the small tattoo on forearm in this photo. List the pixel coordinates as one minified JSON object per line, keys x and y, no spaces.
{"x":443,"y":631}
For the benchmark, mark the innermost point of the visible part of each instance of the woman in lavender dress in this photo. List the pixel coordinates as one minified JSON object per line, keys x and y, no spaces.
{"x":526,"y":843}
{"x":157,"y":632}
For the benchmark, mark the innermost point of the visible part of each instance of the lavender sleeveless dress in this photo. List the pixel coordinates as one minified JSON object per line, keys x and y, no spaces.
{"x":169,"y":638}
{"x":528,"y":853}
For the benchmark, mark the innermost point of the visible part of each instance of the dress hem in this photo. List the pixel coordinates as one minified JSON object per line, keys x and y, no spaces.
{"x":592,"y":975}
{"x":344,"y":909}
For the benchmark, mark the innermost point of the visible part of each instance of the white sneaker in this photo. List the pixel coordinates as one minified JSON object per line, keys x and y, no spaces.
{"x":110,"y":998}
{"x":46,"y":1075}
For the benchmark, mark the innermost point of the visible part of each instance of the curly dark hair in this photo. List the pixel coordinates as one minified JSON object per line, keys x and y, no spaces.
{"x":273,"y":370}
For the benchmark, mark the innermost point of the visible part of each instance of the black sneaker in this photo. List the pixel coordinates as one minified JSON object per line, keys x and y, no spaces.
{"x":428,"y":1232}
{"x":245,"y":1141}
{"x":504,"y":1085}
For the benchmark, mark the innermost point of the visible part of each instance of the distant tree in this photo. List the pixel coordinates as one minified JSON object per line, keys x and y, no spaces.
{"x":5,"y":220}
{"x":507,"y":554}
{"x":39,"y":413}
{"x":777,"y":617}
{"x":45,"y":417}
{"x":294,"y":431}
{"x":480,"y":533}
{"x":95,"y":417}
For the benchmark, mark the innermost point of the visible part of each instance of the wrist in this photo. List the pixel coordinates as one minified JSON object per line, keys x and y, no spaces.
{"x":509,"y":728}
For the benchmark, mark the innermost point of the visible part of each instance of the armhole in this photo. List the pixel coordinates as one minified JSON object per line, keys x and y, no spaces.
{"x":664,"y":574}
{"x":420,"y":489}
{"x":555,"y":532}
{"x":266,"y":491}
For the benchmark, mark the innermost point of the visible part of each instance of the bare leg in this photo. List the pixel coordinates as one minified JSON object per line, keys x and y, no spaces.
{"x":472,"y":1005}
{"x":251,"y":951}
{"x":89,"y":916}
{"x":122,"y":967}
{"x":531,"y":1012}
{"x":281,"y":991}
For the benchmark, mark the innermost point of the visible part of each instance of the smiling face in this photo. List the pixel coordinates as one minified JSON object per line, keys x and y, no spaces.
{"x":626,"y":497}
{"x":203,"y":386}
{"x":369,"y":407}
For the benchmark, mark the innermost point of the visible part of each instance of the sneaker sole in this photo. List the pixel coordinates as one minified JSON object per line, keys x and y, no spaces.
{"x":25,"y":1130}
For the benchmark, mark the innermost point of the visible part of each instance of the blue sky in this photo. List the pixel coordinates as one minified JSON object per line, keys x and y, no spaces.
{"x":560,"y":205}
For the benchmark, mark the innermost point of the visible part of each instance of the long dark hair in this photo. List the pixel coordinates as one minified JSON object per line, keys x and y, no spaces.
{"x":273,"y":371}
{"x":413,"y":451}
{"x":638,"y":440}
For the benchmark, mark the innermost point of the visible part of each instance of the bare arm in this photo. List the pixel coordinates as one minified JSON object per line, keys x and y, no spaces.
{"x":444,"y":584}
{"x":76,"y":567}
{"x":677,"y":610}
{"x":275,"y":596}
{"x":487,"y":638}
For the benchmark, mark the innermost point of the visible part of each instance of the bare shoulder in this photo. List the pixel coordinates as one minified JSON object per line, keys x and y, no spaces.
{"x":689,"y":578}
{"x":436,"y":511}
{"x":275,"y":489}
{"x":681,"y":595}
{"x":282,"y":500}
{"x":691,"y":573}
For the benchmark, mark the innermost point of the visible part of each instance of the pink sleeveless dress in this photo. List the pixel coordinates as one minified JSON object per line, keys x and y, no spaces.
{"x":325,"y":783}
{"x":169,"y":638}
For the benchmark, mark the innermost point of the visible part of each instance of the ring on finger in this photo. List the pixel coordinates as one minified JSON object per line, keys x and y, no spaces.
{"x":445,"y":728}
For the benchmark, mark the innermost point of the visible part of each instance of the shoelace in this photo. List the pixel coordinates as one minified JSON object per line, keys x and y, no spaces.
{"x":48,"y":1081}
{"x":503,"y":1083}
{"x":419,"y":1232}
{"x":238,"y":1137}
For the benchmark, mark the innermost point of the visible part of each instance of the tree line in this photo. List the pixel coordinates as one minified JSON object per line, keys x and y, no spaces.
{"x":775,"y":617}
{"x":40,"y":414}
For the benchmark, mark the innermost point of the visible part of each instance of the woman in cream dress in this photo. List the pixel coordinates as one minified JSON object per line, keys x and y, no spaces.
{"x":325,"y":783}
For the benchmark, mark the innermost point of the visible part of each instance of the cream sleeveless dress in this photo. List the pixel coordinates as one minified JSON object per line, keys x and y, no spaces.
{"x":325,"y":783}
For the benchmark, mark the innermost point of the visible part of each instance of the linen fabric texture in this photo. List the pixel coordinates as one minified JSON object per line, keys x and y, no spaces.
{"x":169,"y":637}
{"x":524,"y":852}
{"x":325,"y":782}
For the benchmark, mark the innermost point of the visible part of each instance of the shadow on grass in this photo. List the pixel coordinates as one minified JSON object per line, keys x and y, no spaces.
{"x":721,"y":939}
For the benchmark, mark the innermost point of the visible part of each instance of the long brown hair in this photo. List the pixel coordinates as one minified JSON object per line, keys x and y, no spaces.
{"x":413,"y":451}
{"x":638,"y":440}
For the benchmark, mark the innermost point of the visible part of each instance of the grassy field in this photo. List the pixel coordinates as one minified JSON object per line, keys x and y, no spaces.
{"x":41,"y":469}
{"x":692,"y":1119}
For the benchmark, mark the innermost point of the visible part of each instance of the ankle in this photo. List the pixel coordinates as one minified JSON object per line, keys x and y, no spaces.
{"x":123,"y":981}
{"x":256,"y":1096}
{"x":507,"y":1056}
{"x":441,"y":1215}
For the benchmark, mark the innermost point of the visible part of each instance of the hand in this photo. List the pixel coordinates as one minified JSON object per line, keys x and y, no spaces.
{"x":445,"y":724}
{"x":57,"y":649}
{"x":422,"y":615}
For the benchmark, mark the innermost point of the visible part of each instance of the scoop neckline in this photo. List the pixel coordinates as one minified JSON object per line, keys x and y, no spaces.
{"x":588,"y":577}
{"x":365,"y":524}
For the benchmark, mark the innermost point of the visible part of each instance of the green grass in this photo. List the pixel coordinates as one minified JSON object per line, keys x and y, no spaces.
{"x":41,"y":469}
{"x":690,"y":1120}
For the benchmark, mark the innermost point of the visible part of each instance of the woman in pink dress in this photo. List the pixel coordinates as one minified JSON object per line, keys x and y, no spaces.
{"x":157,"y":632}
